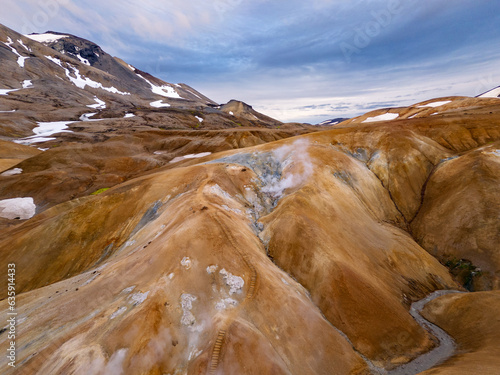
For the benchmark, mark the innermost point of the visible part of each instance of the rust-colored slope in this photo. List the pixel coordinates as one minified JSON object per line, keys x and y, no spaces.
{"x":74,"y":169}
{"x":12,"y":154}
{"x":449,"y":204}
{"x":459,"y":214}
{"x":156,"y":294}
{"x":298,"y":251}
{"x":168,"y":215}
{"x":337,"y":237}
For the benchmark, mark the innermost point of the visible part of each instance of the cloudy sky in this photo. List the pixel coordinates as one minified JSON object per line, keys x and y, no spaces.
{"x":294,"y":60}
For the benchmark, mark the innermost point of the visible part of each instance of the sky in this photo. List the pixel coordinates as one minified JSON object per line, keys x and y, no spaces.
{"x":303,"y":61}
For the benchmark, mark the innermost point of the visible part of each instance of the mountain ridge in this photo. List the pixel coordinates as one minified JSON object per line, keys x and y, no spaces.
{"x":56,"y":75}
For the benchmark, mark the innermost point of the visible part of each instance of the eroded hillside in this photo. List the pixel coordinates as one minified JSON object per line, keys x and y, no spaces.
{"x":312,"y":244}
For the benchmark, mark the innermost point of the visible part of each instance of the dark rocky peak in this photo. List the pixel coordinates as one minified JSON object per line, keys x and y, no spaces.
{"x":78,"y":48}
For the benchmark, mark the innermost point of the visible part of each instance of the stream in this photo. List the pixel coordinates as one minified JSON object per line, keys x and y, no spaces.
{"x":439,"y":354}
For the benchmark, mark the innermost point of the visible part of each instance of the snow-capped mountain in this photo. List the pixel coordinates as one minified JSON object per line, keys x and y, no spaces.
{"x":334,"y":121}
{"x":53,"y":62}
{"x":60,"y":77}
{"x":494,"y":93}
{"x":132,"y":80}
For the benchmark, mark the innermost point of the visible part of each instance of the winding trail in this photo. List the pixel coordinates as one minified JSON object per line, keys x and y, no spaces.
{"x":439,"y":354}
{"x":221,"y":336}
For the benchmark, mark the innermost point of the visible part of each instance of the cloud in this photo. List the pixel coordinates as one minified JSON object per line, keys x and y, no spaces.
{"x":288,"y":58}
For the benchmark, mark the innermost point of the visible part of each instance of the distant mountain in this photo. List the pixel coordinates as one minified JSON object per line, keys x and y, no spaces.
{"x":334,"y":121}
{"x":494,"y":93}
{"x":133,"y":80}
{"x":243,"y":110}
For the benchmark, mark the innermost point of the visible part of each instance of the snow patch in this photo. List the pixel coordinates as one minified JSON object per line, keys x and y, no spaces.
{"x":44,"y":130}
{"x":231,"y":113}
{"x":188,"y":318}
{"x":46,"y":38}
{"x":21,"y":43}
{"x":17,"y":208}
{"x":82,"y":81}
{"x":87,"y":117}
{"x":6,"y":91}
{"x":85,"y":61}
{"x":199,"y":119}
{"x":99,"y":104}
{"x":189,"y":156}
{"x":20,"y":59}
{"x":55,"y":60}
{"x":193,"y":156}
{"x":166,"y":91}
{"x":128,"y":115}
{"x":235,"y":283}
{"x":159,"y":104}
{"x":26,"y":84}
{"x":435,"y":104}
{"x":7,"y":111}
{"x":12,"y":172}
{"x":384,"y":117}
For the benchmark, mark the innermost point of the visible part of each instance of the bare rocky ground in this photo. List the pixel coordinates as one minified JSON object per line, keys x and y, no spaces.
{"x":198,"y":239}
